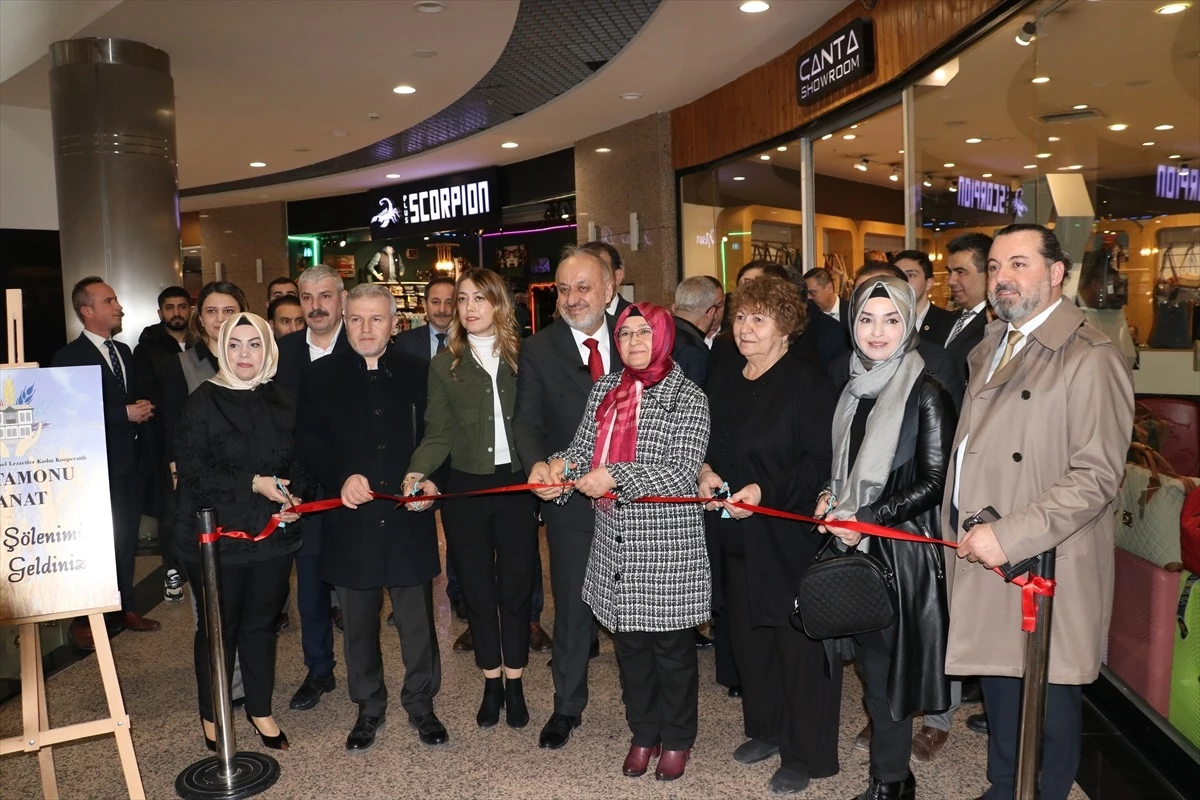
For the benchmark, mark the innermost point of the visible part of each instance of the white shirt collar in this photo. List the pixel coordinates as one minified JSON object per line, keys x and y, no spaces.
{"x":322,"y":350}
{"x":979,"y":308}
{"x":97,"y":340}
{"x":602,"y":336}
{"x":612,"y":307}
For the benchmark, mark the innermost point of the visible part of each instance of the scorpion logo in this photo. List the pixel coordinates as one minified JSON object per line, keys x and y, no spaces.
{"x":389,"y":216}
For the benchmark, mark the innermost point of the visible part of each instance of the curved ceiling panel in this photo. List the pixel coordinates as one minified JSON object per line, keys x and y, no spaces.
{"x":554,"y":47}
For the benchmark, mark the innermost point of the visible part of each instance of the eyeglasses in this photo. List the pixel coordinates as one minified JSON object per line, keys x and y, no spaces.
{"x":624,"y":335}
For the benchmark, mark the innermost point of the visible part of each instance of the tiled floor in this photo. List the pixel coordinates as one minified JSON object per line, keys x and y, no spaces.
{"x":159,"y":688}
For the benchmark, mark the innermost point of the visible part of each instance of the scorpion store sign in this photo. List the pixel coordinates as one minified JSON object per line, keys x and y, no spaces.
{"x":451,"y":202}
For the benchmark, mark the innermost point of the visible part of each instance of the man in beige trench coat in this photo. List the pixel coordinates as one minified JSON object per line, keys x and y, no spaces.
{"x":1042,"y":440}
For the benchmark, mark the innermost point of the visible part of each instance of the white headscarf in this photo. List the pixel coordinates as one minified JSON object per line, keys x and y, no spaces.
{"x":225,"y":375}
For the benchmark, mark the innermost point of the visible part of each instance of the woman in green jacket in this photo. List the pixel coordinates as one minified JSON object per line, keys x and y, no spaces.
{"x":492,"y":539}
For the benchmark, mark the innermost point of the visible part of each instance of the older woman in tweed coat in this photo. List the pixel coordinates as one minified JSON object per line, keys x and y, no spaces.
{"x":644,"y":432}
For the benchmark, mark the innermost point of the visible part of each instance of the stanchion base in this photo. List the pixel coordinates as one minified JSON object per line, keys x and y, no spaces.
{"x":253,"y":773}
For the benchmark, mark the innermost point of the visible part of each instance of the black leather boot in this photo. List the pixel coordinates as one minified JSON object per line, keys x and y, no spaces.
{"x":515,"y":710}
{"x":891,"y":790}
{"x":493,"y":700}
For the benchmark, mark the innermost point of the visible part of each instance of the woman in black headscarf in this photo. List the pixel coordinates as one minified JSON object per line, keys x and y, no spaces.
{"x":893,"y":430}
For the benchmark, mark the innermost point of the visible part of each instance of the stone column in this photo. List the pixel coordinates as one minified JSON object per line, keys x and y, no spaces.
{"x":112,"y":106}
{"x":634,"y":176}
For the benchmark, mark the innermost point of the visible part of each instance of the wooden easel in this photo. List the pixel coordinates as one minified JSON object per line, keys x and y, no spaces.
{"x":36,"y":733}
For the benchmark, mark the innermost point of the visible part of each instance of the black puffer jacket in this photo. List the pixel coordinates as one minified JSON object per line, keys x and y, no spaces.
{"x":911,"y":502}
{"x":223,"y":439}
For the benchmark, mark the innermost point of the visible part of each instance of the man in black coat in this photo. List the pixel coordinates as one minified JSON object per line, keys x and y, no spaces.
{"x":359,"y":418}
{"x":321,"y":297}
{"x":966,"y":264}
{"x":931,"y":320}
{"x":698,"y":302}
{"x":126,"y":431}
{"x":155,"y":357}
{"x":611,"y":257}
{"x":822,"y":290}
{"x":557,"y":368}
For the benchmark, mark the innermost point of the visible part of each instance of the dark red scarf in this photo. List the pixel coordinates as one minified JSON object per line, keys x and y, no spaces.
{"x":617,"y":416}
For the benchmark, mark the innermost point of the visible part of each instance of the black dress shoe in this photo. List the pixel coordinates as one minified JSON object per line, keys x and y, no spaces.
{"x":516,"y":713}
{"x":702,"y":641}
{"x":493,"y":700}
{"x":309,"y":693}
{"x":890,"y":790}
{"x":281,"y":622}
{"x":460,"y":609}
{"x":972,"y":692}
{"x":594,"y":650}
{"x":735,"y":692}
{"x":430,"y":729}
{"x":558,"y":731}
{"x":978,"y":723}
{"x":362,"y":737}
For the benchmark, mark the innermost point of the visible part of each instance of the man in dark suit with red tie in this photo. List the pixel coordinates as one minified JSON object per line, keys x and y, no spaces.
{"x":125,"y":434}
{"x":557,"y":368}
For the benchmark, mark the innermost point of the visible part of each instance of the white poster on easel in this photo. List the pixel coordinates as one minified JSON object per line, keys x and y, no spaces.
{"x":56,"y":534}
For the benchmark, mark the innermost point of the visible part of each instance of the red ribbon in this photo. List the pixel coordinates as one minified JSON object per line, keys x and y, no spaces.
{"x":1031,"y":587}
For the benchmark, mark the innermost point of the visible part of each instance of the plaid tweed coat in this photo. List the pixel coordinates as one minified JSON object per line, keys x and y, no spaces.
{"x":648,"y":569}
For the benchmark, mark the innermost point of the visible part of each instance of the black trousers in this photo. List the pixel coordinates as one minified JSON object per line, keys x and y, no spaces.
{"x":660,"y":681}
{"x":891,"y":740}
{"x":574,"y":624}
{"x":126,"y":492}
{"x":312,"y":602}
{"x":789,"y":697}
{"x":726,"y":667}
{"x":413,"y":607}
{"x":166,"y":524}
{"x":1060,"y":743}
{"x":250,"y":596}
{"x":492,"y":543}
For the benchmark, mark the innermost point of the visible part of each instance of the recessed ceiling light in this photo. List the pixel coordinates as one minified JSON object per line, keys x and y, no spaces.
{"x":853,"y":127}
{"x":1073,"y":166}
{"x":1175,"y":155}
{"x":204,"y":216}
{"x":425,"y":54}
{"x":782,"y":148}
{"x":1053,"y":139}
{"x":1080,"y":107}
{"x":764,"y":157}
{"x":1029,"y":166}
{"x":827,"y":136}
{"x":631,"y":96}
{"x":1044,"y":155}
{"x":404,"y":89}
{"x":1163,"y":127}
{"x":1147,"y":144}
{"x":337,"y":133}
{"x":603,"y":150}
{"x":258,"y":164}
{"x":1172,"y":8}
{"x":739,"y":177}
{"x":391,"y":176}
{"x":1040,"y":79}
{"x":1120,"y":126}
{"x":509,"y":145}
{"x":986,"y":175}
{"x":754,"y":6}
{"x":948,"y":164}
{"x":849,"y":136}
{"x":429,"y":6}
{"x":901,"y":152}
{"x":974,"y":140}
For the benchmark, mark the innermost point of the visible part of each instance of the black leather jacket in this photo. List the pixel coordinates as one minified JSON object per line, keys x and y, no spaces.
{"x":911,"y":502}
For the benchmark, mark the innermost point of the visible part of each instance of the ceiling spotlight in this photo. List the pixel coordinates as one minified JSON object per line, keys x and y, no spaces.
{"x":603,"y":150}
{"x":827,"y":136}
{"x":631,"y":96}
{"x":901,"y":152}
{"x":258,"y":164}
{"x":986,"y":175}
{"x":204,"y":216}
{"x":342,"y":243}
{"x":1184,"y":171}
{"x":1027,"y":34}
{"x":403,"y":89}
{"x":1172,"y":8}
{"x":1029,"y":166}
{"x":754,"y":6}
{"x":782,"y":148}
{"x":1053,"y":139}
{"x":1175,"y":155}
{"x":974,"y":140}
{"x":1163,"y":127}
{"x":948,"y":164}
{"x":1147,"y":144}
{"x":853,"y":127}
{"x":953,"y":186}
{"x":928,"y":180}
{"x":1044,"y":155}
{"x":895,"y":176}
{"x":391,"y":176}
{"x":1040,"y":79}
{"x":739,"y":177}
{"x":429,"y":6}
{"x":1080,"y":107}
{"x":509,"y":145}
{"x":1120,"y":126}
{"x":861,"y":165}
{"x":1073,"y":166}
{"x":849,"y":136}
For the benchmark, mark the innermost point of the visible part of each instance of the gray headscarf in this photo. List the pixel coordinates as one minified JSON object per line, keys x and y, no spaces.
{"x":889,"y":383}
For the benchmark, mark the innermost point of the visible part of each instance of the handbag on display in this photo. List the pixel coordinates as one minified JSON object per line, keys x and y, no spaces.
{"x":844,"y":595}
{"x":1150,"y":507}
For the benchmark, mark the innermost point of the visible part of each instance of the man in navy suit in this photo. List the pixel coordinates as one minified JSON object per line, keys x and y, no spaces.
{"x":966,"y":263}
{"x":125,"y":434}
{"x":428,"y":340}
{"x":558,"y":366}
{"x":931,"y":320}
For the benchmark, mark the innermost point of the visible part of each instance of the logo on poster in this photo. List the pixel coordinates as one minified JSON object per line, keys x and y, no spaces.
{"x":843,"y":58}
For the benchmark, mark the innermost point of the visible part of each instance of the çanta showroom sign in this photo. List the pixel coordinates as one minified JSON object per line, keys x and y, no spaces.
{"x":835,"y":63}
{"x":463,"y":200}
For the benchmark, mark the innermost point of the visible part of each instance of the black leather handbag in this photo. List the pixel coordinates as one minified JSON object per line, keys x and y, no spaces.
{"x":844,"y":595}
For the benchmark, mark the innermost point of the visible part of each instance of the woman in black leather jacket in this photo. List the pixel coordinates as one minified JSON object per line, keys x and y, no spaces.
{"x":892,"y":435}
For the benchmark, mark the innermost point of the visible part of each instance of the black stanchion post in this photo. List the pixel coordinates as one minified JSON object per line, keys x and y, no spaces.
{"x":229,"y":775}
{"x":1033,"y":690}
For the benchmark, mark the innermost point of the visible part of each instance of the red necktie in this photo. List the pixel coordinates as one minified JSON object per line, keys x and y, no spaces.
{"x":595,"y":363}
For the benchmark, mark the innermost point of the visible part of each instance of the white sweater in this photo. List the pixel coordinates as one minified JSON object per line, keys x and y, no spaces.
{"x":484,"y":350}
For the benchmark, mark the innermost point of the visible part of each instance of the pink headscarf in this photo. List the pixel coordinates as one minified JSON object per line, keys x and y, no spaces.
{"x":617,"y":416}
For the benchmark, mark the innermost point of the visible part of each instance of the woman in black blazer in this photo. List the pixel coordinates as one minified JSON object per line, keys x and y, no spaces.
{"x":234,"y":453}
{"x":771,"y":409}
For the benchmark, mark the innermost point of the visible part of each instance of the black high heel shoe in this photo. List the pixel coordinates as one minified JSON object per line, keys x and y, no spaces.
{"x":516,"y":712}
{"x":279,"y":742}
{"x":493,"y":700}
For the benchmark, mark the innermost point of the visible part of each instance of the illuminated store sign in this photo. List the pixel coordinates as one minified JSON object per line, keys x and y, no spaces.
{"x":464,"y":200}
{"x":838,"y":61}
{"x":997,"y":198}
{"x":1177,"y":183}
